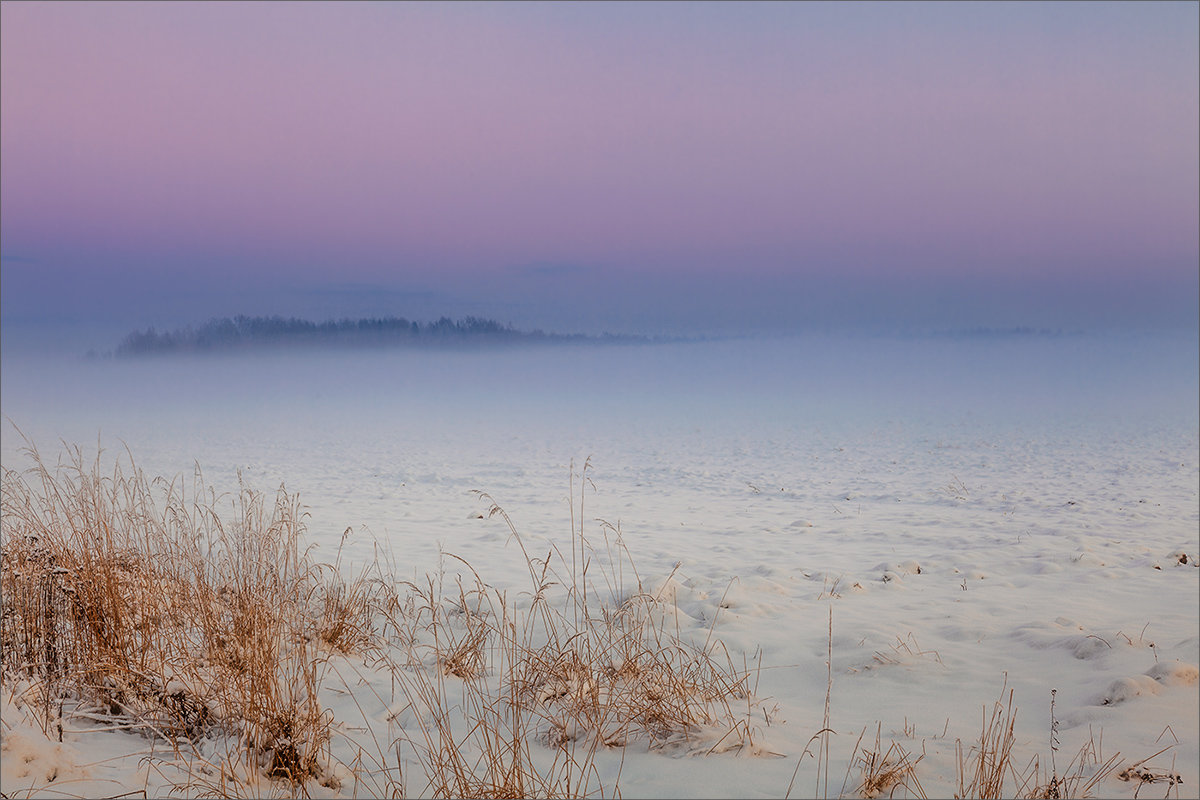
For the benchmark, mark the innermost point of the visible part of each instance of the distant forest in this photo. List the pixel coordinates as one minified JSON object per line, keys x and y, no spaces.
{"x":244,"y":333}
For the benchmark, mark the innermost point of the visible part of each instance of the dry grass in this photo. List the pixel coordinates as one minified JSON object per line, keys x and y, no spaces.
{"x":582,"y":661}
{"x":901,"y":652}
{"x":470,"y":726}
{"x":202,"y":620}
{"x":885,"y":772}
{"x":603,"y":662}
{"x":982,"y":771}
{"x":1142,"y":773}
{"x":128,"y":601}
{"x":1081,"y":775}
{"x":1079,"y":779}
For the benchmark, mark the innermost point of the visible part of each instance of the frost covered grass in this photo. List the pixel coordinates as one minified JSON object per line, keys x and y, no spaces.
{"x":189,"y":617}
{"x":131,"y":602}
{"x":582,"y":661}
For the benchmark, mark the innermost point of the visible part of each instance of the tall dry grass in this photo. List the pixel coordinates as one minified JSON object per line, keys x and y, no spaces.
{"x":193,"y":616}
{"x":516,"y":695}
{"x":180,"y":614}
{"x":988,"y":770}
{"x":982,"y":770}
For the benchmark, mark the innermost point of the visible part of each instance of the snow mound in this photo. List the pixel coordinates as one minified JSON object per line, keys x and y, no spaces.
{"x":1175,"y":673}
{"x":1123,"y":689}
{"x":1165,"y":673}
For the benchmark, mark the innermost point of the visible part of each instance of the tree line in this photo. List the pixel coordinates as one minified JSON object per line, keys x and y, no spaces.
{"x":243,"y":332}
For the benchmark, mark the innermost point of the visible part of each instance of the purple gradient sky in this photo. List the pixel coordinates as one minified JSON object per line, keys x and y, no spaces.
{"x":585,"y":167}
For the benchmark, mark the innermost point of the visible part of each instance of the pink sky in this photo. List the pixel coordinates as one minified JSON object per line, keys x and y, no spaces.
{"x":413,"y":146}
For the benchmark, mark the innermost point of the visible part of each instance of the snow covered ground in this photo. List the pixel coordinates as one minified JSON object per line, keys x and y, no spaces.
{"x":946,"y":517}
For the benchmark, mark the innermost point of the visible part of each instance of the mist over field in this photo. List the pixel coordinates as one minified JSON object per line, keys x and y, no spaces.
{"x":576,"y":393}
{"x":54,"y":312}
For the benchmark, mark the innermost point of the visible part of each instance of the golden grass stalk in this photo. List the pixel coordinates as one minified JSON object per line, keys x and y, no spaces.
{"x":981,"y":772}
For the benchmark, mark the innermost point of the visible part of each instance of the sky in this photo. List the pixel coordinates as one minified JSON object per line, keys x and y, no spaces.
{"x":632,"y":167}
